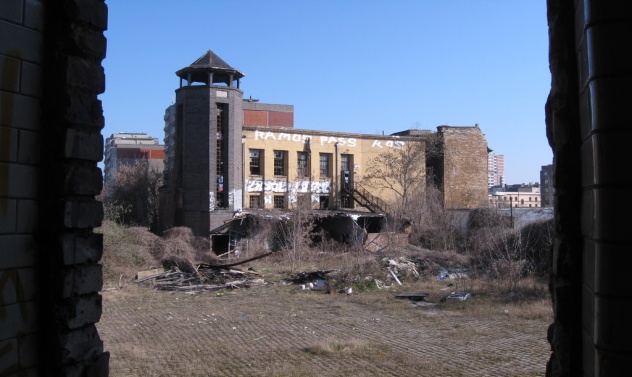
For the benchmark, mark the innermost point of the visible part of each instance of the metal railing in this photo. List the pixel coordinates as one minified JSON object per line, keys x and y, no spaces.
{"x":364,"y":198}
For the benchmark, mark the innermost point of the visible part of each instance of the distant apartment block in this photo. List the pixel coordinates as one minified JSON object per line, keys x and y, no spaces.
{"x":495,"y":169}
{"x":127,"y":148}
{"x":546,"y":185}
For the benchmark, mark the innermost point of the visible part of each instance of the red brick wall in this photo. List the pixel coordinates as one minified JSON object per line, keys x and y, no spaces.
{"x":280,"y":119}
{"x":255,"y":118}
{"x":268,"y":118}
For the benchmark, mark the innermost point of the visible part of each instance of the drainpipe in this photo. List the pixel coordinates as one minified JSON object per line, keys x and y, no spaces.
{"x":243,"y":172}
{"x":336,"y":204}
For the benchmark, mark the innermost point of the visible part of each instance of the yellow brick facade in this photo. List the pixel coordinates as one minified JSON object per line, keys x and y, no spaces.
{"x":282,"y":182}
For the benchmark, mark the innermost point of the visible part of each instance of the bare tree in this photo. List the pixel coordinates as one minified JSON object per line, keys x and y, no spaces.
{"x":408,"y":173}
{"x":134,"y":188}
{"x":401,"y":171}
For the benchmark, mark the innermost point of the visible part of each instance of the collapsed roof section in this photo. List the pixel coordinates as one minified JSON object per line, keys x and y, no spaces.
{"x":277,"y":228}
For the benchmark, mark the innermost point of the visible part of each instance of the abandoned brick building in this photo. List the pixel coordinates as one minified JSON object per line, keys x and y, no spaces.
{"x":225,"y":153}
{"x":50,"y":143}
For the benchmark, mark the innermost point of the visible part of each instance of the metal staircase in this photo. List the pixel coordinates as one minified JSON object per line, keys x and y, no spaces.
{"x":364,"y":198}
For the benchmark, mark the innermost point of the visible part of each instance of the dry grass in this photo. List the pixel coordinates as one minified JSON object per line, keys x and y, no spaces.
{"x":280,"y":330}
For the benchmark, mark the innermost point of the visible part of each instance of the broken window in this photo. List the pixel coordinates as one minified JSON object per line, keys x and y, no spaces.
{"x":324,"y":202}
{"x":279,"y":162}
{"x":325,"y":165}
{"x":279,"y":201}
{"x":255,"y":201}
{"x":255,"y":162}
{"x":301,"y":165}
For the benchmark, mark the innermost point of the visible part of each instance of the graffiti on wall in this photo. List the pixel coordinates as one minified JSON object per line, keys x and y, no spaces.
{"x":211,"y":201}
{"x":283,"y":186}
{"x":325,"y":140}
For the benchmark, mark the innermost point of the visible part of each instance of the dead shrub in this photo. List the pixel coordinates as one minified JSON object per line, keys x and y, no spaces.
{"x":125,"y":252}
{"x":179,"y":246}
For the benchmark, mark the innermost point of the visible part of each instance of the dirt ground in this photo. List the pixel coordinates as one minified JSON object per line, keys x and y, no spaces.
{"x":280,"y":330}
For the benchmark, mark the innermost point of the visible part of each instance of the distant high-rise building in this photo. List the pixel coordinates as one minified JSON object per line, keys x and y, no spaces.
{"x":495,"y":169}
{"x":547,"y":188}
{"x":126,"y":148}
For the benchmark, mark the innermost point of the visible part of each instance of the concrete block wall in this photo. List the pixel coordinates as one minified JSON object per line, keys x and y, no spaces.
{"x":21,"y":70}
{"x":588,"y":126}
{"x":50,"y":142}
{"x":603,"y":30}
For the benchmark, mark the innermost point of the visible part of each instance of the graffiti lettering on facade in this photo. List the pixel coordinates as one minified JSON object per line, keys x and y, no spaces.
{"x":342,"y":141}
{"x":282,"y":186}
{"x":325,"y":140}
{"x":387,"y":144}
{"x":281,"y":136}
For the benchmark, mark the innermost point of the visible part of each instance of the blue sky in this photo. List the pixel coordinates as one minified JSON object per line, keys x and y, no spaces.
{"x":354,"y":66}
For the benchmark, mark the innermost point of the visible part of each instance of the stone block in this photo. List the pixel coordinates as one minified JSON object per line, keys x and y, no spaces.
{"x":612,"y":331}
{"x":29,"y":147}
{"x":99,"y":367}
{"x":93,"y":12}
{"x":8,"y":144}
{"x":80,"y":345}
{"x":9,"y":360}
{"x":594,"y":11}
{"x":83,"y":74}
{"x":11,"y":10}
{"x":76,"y":312}
{"x":20,"y":318}
{"x":9,"y":286}
{"x":23,"y":183}
{"x":81,"y":108}
{"x":80,"y":280}
{"x":83,"y":145}
{"x":31,"y":79}
{"x":20,"y":42}
{"x":34,"y":15}
{"x":82,"y":214}
{"x":27,"y":216}
{"x":20,"y":112}
{"x":8,"y":215}
{"x":612,"y":265}
{"x":78,"y":180}
{"x":90,"y":42}
{"x":605,"y":42}
{"x":610,"y":104}
{"x":17,"y":251}
{"x":18,"y":286}
{"x":10,"y":67}
{"x":81,"y":248}
{"x":28,"y":349}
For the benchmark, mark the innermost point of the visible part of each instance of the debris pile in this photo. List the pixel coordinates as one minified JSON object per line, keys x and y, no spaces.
{"x":181,"y":275}
{"x":204,"y":279}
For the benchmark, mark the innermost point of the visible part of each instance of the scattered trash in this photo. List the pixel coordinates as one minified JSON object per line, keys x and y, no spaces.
{"x":458,"y":296}
{"x":349,"y":290}
{"x":394,"y":276}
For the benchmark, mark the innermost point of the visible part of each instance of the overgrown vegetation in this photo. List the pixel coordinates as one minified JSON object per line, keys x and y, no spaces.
{"x":128,"y":250}
{"x":131,"y":196}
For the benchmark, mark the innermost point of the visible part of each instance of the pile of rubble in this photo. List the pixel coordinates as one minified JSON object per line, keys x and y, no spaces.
{"x":182,"y":275}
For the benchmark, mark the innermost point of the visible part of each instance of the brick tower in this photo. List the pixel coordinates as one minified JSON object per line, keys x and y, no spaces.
{"x":204,"y":181}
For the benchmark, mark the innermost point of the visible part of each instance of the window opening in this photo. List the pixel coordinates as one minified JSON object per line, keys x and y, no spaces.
{"x":255,"y":162}
{"x":279,"y":162}
{"x":301,"y":165}
{"x":325,"y":159}
{"x":279,"y":201}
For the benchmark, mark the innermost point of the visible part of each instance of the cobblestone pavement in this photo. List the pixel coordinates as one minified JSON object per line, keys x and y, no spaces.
{"x":281,"y":331}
